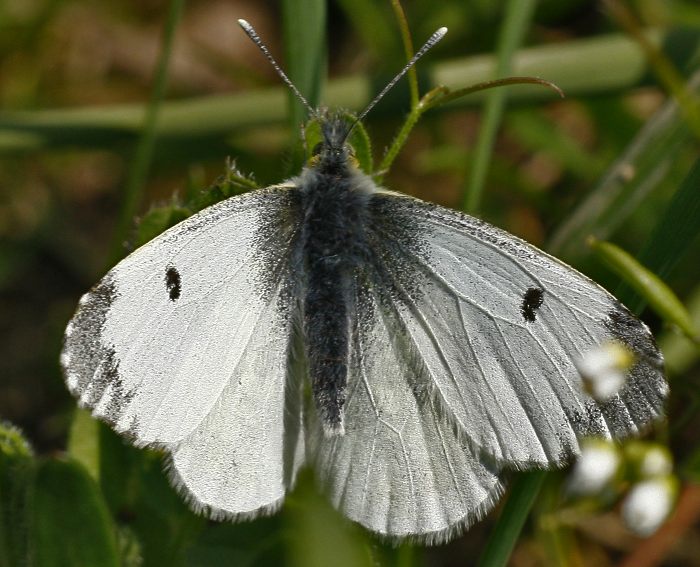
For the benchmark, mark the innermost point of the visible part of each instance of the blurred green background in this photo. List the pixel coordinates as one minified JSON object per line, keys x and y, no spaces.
{"x":81,"y":159}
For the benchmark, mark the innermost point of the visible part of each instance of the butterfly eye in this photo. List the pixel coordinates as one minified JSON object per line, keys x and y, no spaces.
{"x":317,"y":149}
{"x":173,"y":283}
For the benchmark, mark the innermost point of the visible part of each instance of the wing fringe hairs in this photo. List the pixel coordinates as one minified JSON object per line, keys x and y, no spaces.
{"x":439,"y":537}
{"x":210,"y":511}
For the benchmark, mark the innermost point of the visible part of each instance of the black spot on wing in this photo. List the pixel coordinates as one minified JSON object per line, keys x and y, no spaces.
{"x":532,"y":301}
{"x":173,"y":283}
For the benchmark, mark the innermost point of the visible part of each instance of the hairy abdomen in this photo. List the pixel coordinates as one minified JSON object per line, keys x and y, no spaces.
{"x":333,"y":248}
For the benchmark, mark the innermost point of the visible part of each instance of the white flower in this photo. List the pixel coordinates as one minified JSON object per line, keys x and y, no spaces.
{"x":648,"y":504}
{"x":603,"y":369}
{"x":595,"y":468}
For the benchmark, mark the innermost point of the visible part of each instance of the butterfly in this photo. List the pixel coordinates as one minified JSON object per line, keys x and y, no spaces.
{"x":438,"y":350}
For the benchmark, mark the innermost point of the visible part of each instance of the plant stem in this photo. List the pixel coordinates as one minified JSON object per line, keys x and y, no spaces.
{"x":515,"y":512}
{"x":143,"y":154}
{"x":517,"y":20}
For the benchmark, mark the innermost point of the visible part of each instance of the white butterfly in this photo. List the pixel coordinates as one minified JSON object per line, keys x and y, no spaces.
{"x":439,"y":350}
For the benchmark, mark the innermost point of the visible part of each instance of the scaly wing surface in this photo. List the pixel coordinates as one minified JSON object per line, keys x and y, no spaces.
{"x":400,"y":469}
{"x":494,"y":327}
{"x":186,"y":345}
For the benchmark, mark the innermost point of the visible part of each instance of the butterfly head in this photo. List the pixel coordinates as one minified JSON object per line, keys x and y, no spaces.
{"x":333,"y":154}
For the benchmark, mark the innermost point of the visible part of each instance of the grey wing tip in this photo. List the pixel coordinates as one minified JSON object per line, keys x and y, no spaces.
{"x":631,"y":331}
{"x":83,"y":352}
{"x":646,"y":390}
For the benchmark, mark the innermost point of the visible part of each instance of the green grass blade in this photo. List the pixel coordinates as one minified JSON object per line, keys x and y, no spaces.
{"x":304,"y":24}
{"x":523,"y":494}
{"x":408,"y":49}
{"x":594,"y":65}
{"x":138,"y":172}
{"x":641,"y":169}
{"x":512,"y":519}
{"x":517,"y":20}
{"x":675,"y":232}
{"x":647,"y":284}
{"x":372,"y":24}
{"x":668,"y":75}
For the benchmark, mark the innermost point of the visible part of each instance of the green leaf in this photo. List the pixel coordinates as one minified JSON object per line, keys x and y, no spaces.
{"x":162,"y":521}
{"x":16,"y":471}
{"x":230,"y":184}
{"x":318,"y":534}
{"x":84,"y":441}
{"x":305,"y":49}
{"x":159,"y":219}
{"x":70,"y":524}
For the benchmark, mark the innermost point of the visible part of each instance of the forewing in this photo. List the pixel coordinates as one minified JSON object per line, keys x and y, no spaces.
{"x":399,"y":469}
{"x":496,"y":326}
{"x":185,"y":344}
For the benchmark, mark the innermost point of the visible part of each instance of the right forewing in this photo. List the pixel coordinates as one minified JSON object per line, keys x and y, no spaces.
{"x":497,"y":326}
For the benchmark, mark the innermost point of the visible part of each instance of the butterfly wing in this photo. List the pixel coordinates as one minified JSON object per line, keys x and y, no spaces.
{"x":185,"y":344}
{"x":495,"y":325}
{"x":400,"y":470}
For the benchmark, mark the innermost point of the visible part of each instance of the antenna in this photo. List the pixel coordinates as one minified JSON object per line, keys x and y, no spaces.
{"x":255,"y":38}
{"x":432,"y":40}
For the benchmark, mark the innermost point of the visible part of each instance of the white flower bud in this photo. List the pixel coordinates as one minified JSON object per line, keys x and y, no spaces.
{"x":595,"y":468}
{"x":647,"y":459}
{"x":603,"y":369}
{"x":656,"y":462}
{"x":648,"y":504}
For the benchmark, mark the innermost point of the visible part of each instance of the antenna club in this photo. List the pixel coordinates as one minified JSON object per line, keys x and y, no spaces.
{"x":244,"y":24}
{"x":439,"y":33}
